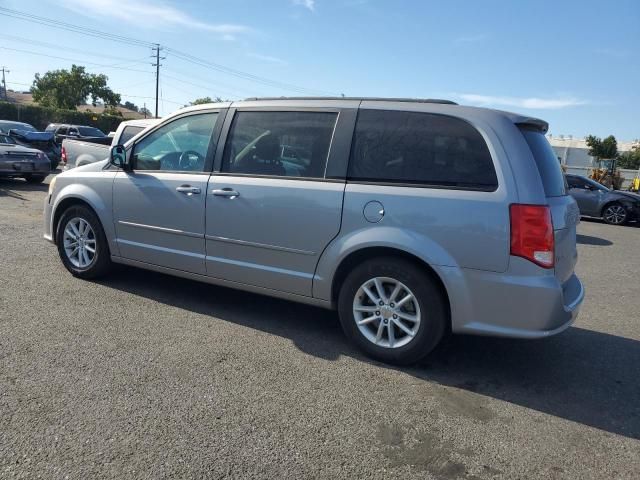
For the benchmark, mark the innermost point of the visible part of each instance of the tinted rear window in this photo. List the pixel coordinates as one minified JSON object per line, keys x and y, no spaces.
{"x":547,"y":162}
{"x":420,"y":148}
{"x":90,"y":132}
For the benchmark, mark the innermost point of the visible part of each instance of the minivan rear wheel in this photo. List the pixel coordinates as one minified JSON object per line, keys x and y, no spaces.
{"x":392,"y":310}
{"x":82,"y":244}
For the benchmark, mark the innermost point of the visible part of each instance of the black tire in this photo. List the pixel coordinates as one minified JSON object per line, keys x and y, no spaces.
{"x":615,"y":214}
{"x":101,"y":263}
{"x":430,"y":298}
{"x":35,"y":178}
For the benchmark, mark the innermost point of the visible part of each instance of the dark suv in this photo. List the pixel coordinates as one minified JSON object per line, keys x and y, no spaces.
{"x":62,"y":131}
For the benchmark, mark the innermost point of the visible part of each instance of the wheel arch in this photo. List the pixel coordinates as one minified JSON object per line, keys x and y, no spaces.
{"x":367,"y":253}
{"x":62,"y":207}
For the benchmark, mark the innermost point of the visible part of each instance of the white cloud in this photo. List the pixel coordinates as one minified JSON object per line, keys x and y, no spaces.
{"x":152,"y":14}
{"x":268,"y":58}
{"x":308,"y":4}
{"x":471,"y":38}
{"x":534,"y":103}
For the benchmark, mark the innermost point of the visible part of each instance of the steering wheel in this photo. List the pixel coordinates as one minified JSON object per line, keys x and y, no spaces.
{"x":190,"y":160}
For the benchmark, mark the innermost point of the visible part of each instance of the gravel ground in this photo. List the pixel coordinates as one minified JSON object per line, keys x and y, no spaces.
{"x":142,"y":375}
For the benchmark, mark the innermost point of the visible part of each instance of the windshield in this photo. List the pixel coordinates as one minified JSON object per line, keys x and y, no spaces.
{"x":596,"y":185}
{"x":7,"y":140}
{"x":6,"y":126}
{"x":90,"y":132}
{"x":548,"y":164}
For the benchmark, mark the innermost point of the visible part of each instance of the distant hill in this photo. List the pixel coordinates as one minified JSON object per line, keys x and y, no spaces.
{"x":25,"y":98}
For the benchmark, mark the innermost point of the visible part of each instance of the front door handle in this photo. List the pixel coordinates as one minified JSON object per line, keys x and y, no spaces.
{"x":188,"y":190}
{"x":226,"y":192}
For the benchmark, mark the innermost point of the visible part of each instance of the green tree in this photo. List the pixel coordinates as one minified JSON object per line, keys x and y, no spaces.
{"x":131,"y":106}
{"x":203,"y":100}
{"x":69,"y":88}
{"x":630,"y":159}
{"x":602,"y":149}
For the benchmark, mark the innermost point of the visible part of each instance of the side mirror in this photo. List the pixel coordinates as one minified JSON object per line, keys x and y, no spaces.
{"x":118,"y":157}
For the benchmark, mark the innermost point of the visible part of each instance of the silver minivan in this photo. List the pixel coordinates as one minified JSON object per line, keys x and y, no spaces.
{"x":411,"y":218}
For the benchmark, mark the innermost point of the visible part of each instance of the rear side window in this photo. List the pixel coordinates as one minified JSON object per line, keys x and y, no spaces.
{"x":128,"y":133}
{"x":420,"y":148}
{"x":284,"y":144}
{"x":547,"y":162}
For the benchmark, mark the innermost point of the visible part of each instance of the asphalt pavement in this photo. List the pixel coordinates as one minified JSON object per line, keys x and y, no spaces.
{"x":142,"y":375}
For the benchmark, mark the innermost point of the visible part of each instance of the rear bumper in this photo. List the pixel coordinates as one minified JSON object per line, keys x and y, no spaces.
{"x":513,"y":305}
{"x":18,"y":168}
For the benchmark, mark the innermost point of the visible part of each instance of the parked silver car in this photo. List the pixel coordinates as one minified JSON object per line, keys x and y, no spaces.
{"x":411,"y":218}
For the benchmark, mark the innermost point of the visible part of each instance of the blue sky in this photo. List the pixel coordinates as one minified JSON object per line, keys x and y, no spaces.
{"x":573,"y":63}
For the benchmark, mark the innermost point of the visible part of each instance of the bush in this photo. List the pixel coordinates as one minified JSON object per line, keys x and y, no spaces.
{"x":40,"y":117}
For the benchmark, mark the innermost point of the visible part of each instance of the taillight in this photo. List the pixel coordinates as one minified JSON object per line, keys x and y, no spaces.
{"x":63,"y":155}
{"x":532,"y":234}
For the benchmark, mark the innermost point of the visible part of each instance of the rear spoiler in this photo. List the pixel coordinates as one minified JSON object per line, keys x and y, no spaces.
{"x":31,"y":136}
{"x":532,"y":123}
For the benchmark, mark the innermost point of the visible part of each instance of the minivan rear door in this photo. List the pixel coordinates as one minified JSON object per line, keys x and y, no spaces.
{"x":274,"y":202}
{"x":565,"y":214}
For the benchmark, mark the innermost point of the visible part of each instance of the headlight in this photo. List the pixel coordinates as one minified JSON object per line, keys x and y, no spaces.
{"x":52,"y":185}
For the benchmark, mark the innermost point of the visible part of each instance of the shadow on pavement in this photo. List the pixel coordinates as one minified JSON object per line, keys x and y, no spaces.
{"x":11,"y":187}
{"x":589,"y":240}
{"x":581,"y":375}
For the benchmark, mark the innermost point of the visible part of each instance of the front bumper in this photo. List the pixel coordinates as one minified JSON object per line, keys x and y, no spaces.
{"x":47,"y":217}
{"x":516,"y":306}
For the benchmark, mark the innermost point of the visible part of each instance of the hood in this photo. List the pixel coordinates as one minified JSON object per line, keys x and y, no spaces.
{"x":633,"y":196}
{"x":31,"y":136}
{"x":16,"y":149}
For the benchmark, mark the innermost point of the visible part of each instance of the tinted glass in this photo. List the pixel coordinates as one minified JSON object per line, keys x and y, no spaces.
{"x":90,"y":132}
{"x":62,"y":131}
{"x":128,"y":133}
{"x":7,"y":140}
{"x":287,"y":144}
{"x":547,"y":162}
{"x":574,"y":182}
{"x":420,"y":148}
{"x":179,"y":146}
{"x":6,"y":126}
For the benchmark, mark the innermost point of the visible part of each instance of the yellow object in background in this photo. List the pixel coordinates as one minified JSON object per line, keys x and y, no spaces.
{"x":636,"y":184}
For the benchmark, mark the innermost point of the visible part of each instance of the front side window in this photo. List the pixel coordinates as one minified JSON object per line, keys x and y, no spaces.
{"x":178,"y":146}
{"x":420,"y":148}
{"x":286,"y":144}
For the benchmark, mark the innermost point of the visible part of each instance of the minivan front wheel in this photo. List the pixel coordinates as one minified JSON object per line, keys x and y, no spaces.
{"x":392,"y":310}
{"x":82,"y":244}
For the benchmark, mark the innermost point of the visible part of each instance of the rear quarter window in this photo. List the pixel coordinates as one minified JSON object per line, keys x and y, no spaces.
{"x":424,"y":149}
{"x":547,"y":162}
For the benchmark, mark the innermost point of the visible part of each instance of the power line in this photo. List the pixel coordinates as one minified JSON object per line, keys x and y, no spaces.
{"x":177,"y":53}
{"x":68,"y":49}
{"x":56,"y":23}
{"x":74,"y":60}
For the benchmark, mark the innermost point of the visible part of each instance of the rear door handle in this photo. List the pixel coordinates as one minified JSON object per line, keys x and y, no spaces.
{"x":226,"y":192}
{"x":188,"y":190}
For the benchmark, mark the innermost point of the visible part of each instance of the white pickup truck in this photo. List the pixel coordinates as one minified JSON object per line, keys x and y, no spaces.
{"x":76,"y":153}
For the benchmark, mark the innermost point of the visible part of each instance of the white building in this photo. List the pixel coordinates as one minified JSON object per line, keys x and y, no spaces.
{"x":574,"y":154}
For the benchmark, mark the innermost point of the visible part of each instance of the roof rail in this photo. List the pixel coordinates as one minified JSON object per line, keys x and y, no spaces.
{"x":374,"y":99}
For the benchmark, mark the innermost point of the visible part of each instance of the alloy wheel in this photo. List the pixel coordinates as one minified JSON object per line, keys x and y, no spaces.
{"x":386,"y":312}
{"x":79,"y":242}
{"x":615,"y":214}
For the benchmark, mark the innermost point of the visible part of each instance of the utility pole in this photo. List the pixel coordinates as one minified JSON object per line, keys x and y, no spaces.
{"x":4,"y":83}
{"x":144,"y":109}
{"x":157,"y":49}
